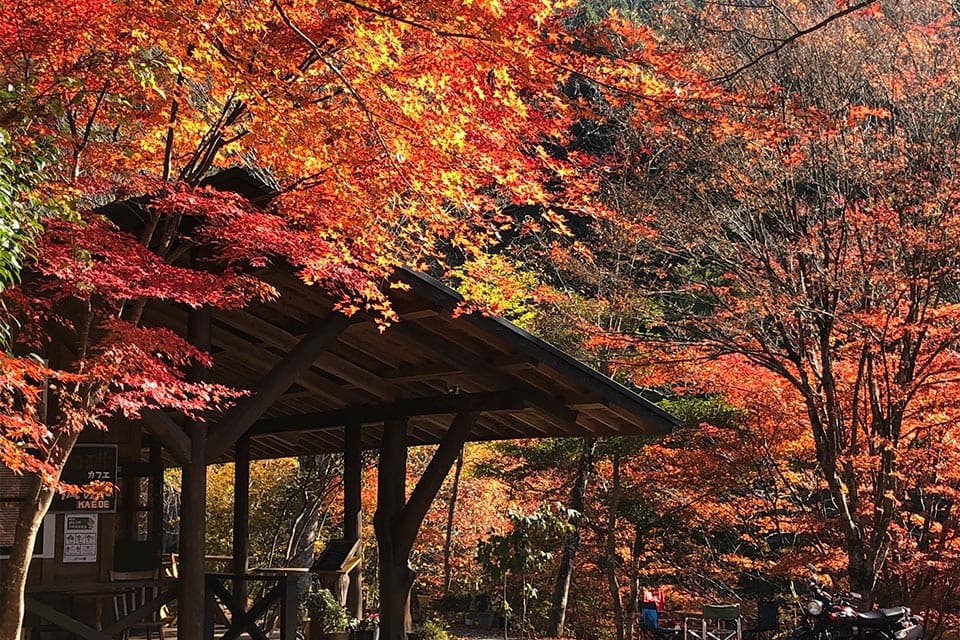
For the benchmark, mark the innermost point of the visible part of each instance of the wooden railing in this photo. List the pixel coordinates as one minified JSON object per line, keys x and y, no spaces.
{"x":279,"y":595}
{"x":227,"y":616}
{"x":160,"y":593}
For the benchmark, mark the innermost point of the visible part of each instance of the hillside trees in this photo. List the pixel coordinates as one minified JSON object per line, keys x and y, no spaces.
{"x":391,"y":134}
{"x":294,"y":502}
{"x":818,"y":242}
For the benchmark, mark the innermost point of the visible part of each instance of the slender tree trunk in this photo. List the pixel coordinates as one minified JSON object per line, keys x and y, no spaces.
{"x":451,"y":511}
{"x":611,"y":550}
{"x":506,"y":635}
{"x":15,"y":569}
{"x":571,"y":542}
{"x":633,"y":606}
{"x":523,"y":605}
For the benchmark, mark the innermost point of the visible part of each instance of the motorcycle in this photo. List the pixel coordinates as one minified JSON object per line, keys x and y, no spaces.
{"x":833,"y":617}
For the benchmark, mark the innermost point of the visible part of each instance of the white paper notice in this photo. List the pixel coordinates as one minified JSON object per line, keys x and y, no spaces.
{"x":80,"y":537}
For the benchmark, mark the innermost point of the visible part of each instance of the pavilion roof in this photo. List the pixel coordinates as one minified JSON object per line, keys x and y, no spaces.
{"x":428,"y":366}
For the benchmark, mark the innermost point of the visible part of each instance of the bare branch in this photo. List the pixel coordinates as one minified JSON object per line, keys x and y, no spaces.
{"x":793,"y":38}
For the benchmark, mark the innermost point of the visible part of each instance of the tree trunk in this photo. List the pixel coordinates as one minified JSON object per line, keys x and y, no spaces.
{"x":506,"y":633}
{"x":633,"y":606}
{"x":352,"y":511}
{"x":523,"y":605}
{"x":611,"y":550}
{"x":451,"y":511}
{"x":32,"y":512}
{"x":571,"y":542}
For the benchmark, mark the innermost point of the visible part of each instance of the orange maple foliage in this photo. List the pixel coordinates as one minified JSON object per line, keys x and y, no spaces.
{"x":388,"y":133}
{"x":795,"y":251}
{"x":804,"y":266}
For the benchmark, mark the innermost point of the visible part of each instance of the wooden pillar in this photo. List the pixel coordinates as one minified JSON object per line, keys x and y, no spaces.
{"x":352,"y":514}
{"x":396,"y":576}
{"x":193,"y":503}
{"x":241,"y":516}
{"x":398,"y":519}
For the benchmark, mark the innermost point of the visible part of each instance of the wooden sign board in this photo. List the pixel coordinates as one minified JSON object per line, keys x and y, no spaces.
{"x":339,"y":556}
{"x":88,"y":463}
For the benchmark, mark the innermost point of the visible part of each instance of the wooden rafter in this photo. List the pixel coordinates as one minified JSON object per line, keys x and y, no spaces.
{"x":453,"y":353}
{"x":168,"y":433}
{"x":510,"y":399}
{"x":245,"y":413}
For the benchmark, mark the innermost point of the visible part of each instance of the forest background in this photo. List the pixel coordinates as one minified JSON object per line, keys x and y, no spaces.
{"x":772,"y":253}
{"x":788,"y":290}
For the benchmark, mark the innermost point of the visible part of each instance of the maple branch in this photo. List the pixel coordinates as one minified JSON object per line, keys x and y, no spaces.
{"x":307,"y":181}
{"x":168,"y":144}
{"x":88,"y":127}
{"x":83,"y":137}
{"x":793,"y":38}
{"x":414,"y":23}
{"x":371,"y":120}
{"x":203,"y":156}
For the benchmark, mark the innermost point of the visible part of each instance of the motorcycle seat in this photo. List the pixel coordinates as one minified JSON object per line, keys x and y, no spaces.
{"x":881,"y":617}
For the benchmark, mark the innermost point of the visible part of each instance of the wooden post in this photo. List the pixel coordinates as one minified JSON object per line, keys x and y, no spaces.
{"x":288,"y":608}
{"x":156,"y":494}
{"x":193,"y":503}
{"x":352,"y":514}
{"x":397,"y":520}
{"x":241,"y":517}
{"x":396,"y":576}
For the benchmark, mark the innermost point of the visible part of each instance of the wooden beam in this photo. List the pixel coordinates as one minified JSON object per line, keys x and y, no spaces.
{"x":408,"y":524}
{"x":445,"y":370}
{"x":168,"y":433}
{"x":458,"y":355}
{"x":359,"y":377}
{"x":330,"y":362}
{"x":432,"y":405}
{"x":247,"y":411}
{"x":255,"y":360}
{"x":63,"y":621}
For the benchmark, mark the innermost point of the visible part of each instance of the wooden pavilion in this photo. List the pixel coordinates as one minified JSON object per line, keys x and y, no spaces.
{"x":323,"y":382}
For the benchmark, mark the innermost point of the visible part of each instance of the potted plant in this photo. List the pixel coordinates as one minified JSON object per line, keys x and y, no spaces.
{"x":328,"y":620}
{"x":369,"y":627}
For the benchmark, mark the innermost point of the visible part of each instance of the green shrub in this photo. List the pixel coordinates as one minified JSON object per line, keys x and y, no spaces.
{"x":323,"y":609}
{"x":432,"y":629}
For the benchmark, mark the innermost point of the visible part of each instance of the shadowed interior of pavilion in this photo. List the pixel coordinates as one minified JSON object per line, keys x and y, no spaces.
{"x":321,"y":382}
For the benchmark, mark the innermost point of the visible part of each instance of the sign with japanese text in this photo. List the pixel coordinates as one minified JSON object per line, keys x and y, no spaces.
{"x":89,"y":463}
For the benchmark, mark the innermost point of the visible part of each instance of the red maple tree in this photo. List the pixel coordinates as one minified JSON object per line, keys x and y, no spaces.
{"x":390,"y":134}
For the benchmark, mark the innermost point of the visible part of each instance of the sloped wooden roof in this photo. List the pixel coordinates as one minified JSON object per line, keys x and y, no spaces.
{"x":428,"y":366}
